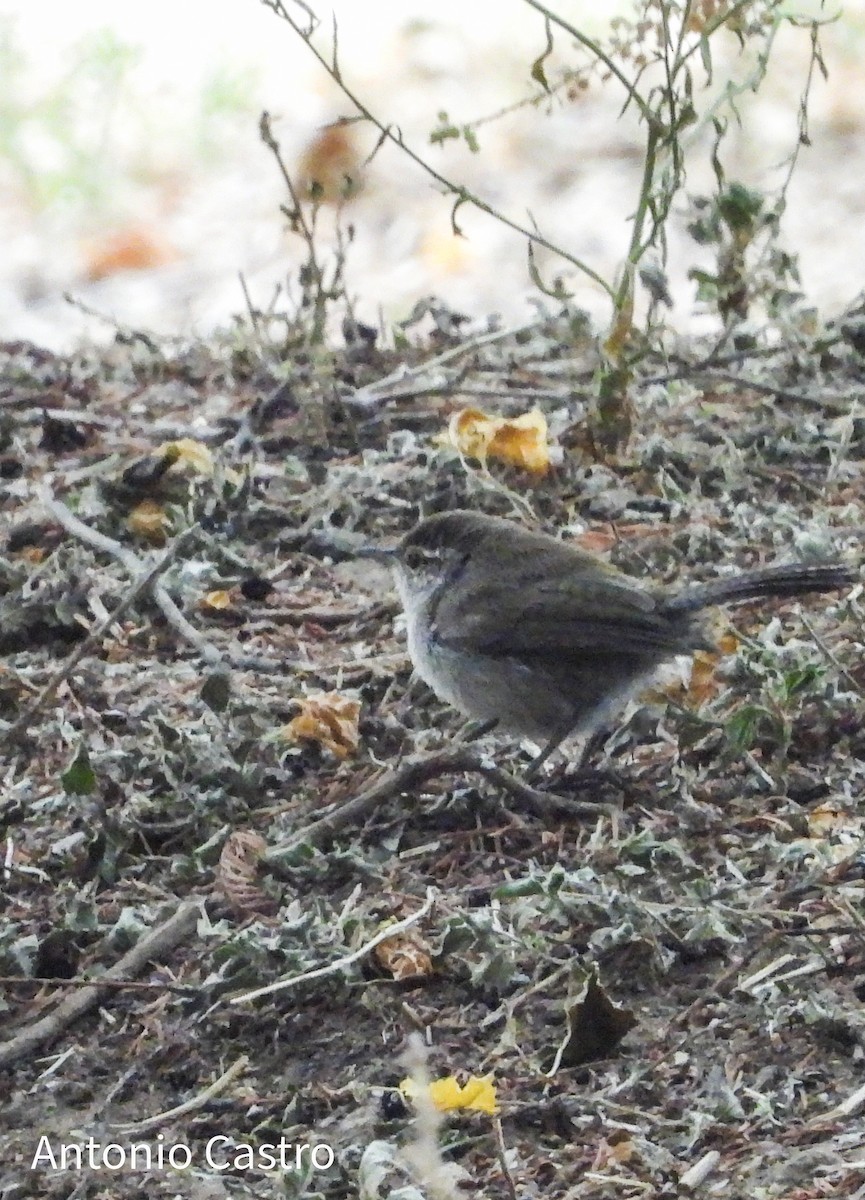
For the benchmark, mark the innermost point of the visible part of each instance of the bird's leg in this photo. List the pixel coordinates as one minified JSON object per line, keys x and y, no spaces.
{"x":404,"y":703}
{"x":553,"y":744}
{"x":472,"y":730}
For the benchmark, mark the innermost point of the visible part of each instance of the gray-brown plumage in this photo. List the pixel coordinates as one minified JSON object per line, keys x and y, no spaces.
{"x":516,"y":627}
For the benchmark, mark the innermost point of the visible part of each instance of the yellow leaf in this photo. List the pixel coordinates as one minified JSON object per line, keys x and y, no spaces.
{"x":828,"y":820}
{"x":703,"y":685}
{"x":219,"y":599}
{"x":329,"y":719}
{"x":187,"y":451}
{"x":477,"y":1093}
{"x":728,"y":643}
{"x":520,"y":441}
{"x":149,"y":521}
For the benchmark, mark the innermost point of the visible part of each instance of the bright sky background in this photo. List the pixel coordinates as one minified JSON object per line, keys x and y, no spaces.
{"x":122,"y":120}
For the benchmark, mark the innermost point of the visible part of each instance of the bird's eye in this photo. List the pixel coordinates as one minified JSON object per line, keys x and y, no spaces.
{"x":416,"y":557}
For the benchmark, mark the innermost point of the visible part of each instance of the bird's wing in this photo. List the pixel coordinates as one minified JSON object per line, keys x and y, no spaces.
{"x":595,"y":611}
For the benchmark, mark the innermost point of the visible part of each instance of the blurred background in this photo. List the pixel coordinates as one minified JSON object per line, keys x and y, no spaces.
{"x":132,"y":175}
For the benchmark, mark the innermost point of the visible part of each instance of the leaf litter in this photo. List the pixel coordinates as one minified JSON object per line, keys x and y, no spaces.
{"x":665,"y":990}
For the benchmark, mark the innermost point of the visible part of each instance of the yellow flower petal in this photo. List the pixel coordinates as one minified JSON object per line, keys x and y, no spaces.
{"x":477,"y":1093}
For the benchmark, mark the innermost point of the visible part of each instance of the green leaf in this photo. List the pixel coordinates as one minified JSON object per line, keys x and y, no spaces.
{"x":445,"y":130}
{"x":537,"y":71}
{"x":556,"y":290}
{"x":471,"y":139}
{"x":216,"y":691}
{"x":519,"y":887}
{"x":751,"y":724}
{"x":461,"y":199}
{"x":801,"y":679}
{"x":739,"y":208}
{"x":79,"y":778}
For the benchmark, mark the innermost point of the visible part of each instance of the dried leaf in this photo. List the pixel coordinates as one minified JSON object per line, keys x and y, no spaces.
{"x":597,"y":541}
{"x":703,"y":684}
{"x":520,"y":441}
{"x":330,"y":166}
{"x":237,"y":871}
{"x":220,"y":599}
{"x":622,"y":1151}
{"x":613,"y":1151}
{"x":595,"y":1026}
{"x":828,"y":820}
{"x":329,"y":719}
{"x":728,"y":644}
{"x":405,"y":956}
{"x":189,"y":453}
{"x":150,"y":521}
{"x":131,"y":249}
{"x":216,"y":690}
{"x":145,"y":473}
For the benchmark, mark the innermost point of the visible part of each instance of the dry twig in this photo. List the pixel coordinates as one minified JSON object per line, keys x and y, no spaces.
{"x":153,"y":946}
{"x":145,"y":582}
{"x":180,"y":1110}
{"x":416,"y":771}
{"x":99,"y":541}
{"x":338,"y":964}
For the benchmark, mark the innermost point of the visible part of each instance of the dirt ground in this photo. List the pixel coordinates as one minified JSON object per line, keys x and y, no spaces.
{"x":666,"y":990}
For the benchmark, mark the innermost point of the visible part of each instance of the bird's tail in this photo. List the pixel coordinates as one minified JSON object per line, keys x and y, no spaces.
{"x":765,"y":581}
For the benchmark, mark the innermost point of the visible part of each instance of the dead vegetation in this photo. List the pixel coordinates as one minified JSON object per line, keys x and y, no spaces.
{"x":662,"y":965}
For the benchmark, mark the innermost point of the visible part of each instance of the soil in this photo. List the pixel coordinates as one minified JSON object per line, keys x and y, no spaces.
{"x":667,"y":992}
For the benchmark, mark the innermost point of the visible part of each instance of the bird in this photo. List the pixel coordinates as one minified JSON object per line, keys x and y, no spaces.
{"x":543,"y":640}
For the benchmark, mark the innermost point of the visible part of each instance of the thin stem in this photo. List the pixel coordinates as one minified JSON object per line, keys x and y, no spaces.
{"x":463,"y":195}
{"x":307,"y":230}
{"x":636,"y":249}
{"x":599,"y":53}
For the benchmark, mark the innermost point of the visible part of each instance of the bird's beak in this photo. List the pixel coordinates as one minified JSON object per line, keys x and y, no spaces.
{"x":383,"y":554}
